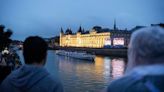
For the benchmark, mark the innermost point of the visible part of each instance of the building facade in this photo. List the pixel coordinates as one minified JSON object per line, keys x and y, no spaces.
{"x":120,"y":37}
{"x":93,"y":39}
{"x":96,"y":38}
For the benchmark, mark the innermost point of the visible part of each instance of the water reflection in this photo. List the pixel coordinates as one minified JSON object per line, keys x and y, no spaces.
{"x":118,"y":68}
{"x":102,"y":65}
{"x":85,"y":76}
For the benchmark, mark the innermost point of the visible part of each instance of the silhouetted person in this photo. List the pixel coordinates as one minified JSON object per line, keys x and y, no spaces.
{"x":32,"y":77}
{"x":145,"y":70}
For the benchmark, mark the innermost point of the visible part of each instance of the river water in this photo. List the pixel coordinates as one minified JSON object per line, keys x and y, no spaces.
{"x":84,"y":76}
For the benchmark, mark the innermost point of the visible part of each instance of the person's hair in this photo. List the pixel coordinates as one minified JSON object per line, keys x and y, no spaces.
{"x":146,"y":47}
{"x":34,"y":50}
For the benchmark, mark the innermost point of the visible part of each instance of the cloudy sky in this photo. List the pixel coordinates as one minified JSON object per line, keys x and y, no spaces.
{"x":46,"y":17}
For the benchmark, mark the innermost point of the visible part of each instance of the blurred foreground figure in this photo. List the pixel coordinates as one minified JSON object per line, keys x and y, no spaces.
{"x":145,"y":70}
{"x":32,"y":77}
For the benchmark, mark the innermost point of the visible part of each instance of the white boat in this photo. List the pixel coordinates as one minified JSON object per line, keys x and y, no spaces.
{"x":77,"y":55}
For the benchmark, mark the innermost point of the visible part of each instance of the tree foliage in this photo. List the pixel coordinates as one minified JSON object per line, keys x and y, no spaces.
{"x":5,"y":37}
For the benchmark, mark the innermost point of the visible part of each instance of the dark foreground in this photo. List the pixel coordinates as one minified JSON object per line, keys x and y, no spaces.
{"x":84,"y":76}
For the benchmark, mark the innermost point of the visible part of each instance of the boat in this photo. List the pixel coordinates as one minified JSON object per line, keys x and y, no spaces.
{"x":76,"y":55}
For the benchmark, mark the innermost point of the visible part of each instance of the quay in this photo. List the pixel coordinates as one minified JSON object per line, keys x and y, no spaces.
{"x":96,"y":51}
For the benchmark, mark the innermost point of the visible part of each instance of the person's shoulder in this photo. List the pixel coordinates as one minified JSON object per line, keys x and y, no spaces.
{"x":128,"y":83}
{"x":5,"y":86}
{"x":120,"y":84}
{"x":53,"y":79}
{"x":13,"y":73}
{"x":54,"y":83}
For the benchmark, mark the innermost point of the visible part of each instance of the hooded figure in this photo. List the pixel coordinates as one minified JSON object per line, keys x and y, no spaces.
{"x":32,"y":77}
{"x":145,"y":69}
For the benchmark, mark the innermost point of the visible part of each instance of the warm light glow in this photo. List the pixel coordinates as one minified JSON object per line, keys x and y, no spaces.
{"x":93,"y":40}
{"x":118,"y":41}
{"x":107,"y":41}
{"x":118,"y":66}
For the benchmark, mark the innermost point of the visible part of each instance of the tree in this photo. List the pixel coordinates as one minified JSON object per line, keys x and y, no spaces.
{"x":5,"y":37}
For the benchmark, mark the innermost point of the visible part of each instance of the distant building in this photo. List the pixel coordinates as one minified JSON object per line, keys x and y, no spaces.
{"x":54,"y":41}
{"x":120,"y":37}
{"x":96,"y":38}
{"x":160,"y":24}
{"x":92,"y":39}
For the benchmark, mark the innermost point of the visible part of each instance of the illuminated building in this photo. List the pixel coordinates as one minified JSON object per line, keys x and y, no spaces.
{"x":120,"y":37}
{"x":96,"y":38}
{"x":92,"y":39}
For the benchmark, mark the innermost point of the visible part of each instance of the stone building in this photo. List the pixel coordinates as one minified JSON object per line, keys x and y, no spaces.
{"x":97,"y":37}
{"x":91,"y":39}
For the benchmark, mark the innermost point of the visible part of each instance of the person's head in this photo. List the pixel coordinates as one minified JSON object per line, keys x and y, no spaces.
{"x":34,"y":50}
{"x":146,"y":47}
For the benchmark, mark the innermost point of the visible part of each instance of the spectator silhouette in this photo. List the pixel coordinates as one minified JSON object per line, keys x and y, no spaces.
{"x":32,"y":77}
{"x":145,"y":71}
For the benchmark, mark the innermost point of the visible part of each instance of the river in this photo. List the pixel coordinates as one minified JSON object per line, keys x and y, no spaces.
{"x":84,"y":76}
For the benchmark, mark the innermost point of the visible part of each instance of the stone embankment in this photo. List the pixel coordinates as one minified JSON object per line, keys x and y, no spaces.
{"x":97,"y":51}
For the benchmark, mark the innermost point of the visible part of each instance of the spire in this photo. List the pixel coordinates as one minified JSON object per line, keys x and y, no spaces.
{"x":115,"y":24}
{"x":80,"y":29}
{"x":61,"y":30}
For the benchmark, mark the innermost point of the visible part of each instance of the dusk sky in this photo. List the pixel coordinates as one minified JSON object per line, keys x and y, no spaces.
{"x":46,"y":17}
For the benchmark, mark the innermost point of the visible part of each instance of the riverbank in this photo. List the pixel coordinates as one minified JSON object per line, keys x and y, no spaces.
{"x":96,"y":51}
